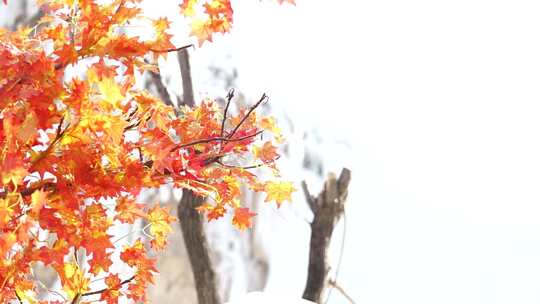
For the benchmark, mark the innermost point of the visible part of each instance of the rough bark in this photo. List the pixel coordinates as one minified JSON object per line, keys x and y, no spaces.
{"x":191,"y":223}
{"x":161,"y":88}
{"x":187,"y":84}
{"x":327,"y":207}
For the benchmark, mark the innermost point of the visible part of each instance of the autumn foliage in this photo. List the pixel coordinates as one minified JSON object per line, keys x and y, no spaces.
{"x":77,"y":149}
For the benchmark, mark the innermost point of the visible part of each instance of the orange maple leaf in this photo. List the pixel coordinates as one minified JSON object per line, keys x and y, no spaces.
{"x":242,"y":218}
{"x":267,"y":153}
{"x":127,"y":210}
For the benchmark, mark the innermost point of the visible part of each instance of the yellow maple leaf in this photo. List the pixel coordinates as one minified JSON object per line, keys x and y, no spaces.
{"x":159,"y":220}
{"x":26,"y":295}
{"x":15,"y":175}
{"x":278,"y":191}
{"x":269,"y":124}
{"x":74,"y":282}
{"x":111,"y":92}
{"x":187,"y":7}
{"x":39,"y":198}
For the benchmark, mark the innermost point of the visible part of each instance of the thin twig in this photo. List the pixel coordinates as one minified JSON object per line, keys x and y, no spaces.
{"x":91,"y":293}
{"x":222,"y":139}
{"x":246,"y":167}
{"x":18,"y":297}
{"x":335,"y":285}
{"x":172,"y":50}
{"x":340,"y":259}
{"x":230,"y":96}
{"x":263,"y":98}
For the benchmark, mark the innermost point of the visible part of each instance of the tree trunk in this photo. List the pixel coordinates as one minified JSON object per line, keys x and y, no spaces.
{"x":191,"y":221}
{"x":327,"y":208}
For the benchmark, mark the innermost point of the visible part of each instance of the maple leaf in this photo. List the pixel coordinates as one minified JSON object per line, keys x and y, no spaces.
{"x":162,"y":41}
{"x":73,"y":280}
{"x":187,"y":7}
{"x":267,"y":153}
{"x":111,"y":294}
{"x":159,"y":220}
{"x":7,"y":240}
{"x":136,"y":256}
{"x":110,"y":91}
{"x":278,"y":191}
{"x":39,"y":199}
{"x":6,"y":212}
{"x":215,"y":212}
{"x":202,"y":30}
{"x":26,"y":295}
{"x":269,"y":124}
{"x":242,"y":218}
{"x":127,"y":211}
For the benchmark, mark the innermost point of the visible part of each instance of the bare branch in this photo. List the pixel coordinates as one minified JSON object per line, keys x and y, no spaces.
{"x":28,"y":191}
{"x":230,"y":96}
{"x":246,"y":167}
{"x":341,"y":290}
{"x":222,"y":139}
{"x":309,"y":198}
{"x":263,"y":98}
{"x":91,"y":293}
{"x":172,"y":50}
{"x":160,"y":87}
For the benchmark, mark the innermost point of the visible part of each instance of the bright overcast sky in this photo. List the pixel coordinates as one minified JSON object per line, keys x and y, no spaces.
{"x":441,"y":103}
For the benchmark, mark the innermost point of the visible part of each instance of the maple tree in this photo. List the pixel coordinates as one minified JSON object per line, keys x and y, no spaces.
{"x":77,"y":150}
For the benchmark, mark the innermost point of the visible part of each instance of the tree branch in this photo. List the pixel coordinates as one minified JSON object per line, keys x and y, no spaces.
{"x":222,"y":139}
{"x":341,"y":290}
{"x":28,"y":191}
{"x":230,"y":96}
{"x":172,"y":50}
{"x":187,"y":84}
{"x":263,"y":98}
{"x":91,"y":293}
{"x":161,"y":89}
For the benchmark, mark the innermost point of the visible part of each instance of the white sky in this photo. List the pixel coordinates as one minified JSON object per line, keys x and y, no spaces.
{"x":440,"y":101}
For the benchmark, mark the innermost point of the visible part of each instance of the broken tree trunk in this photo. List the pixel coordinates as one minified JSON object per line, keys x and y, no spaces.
{"x":327,"y":207}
